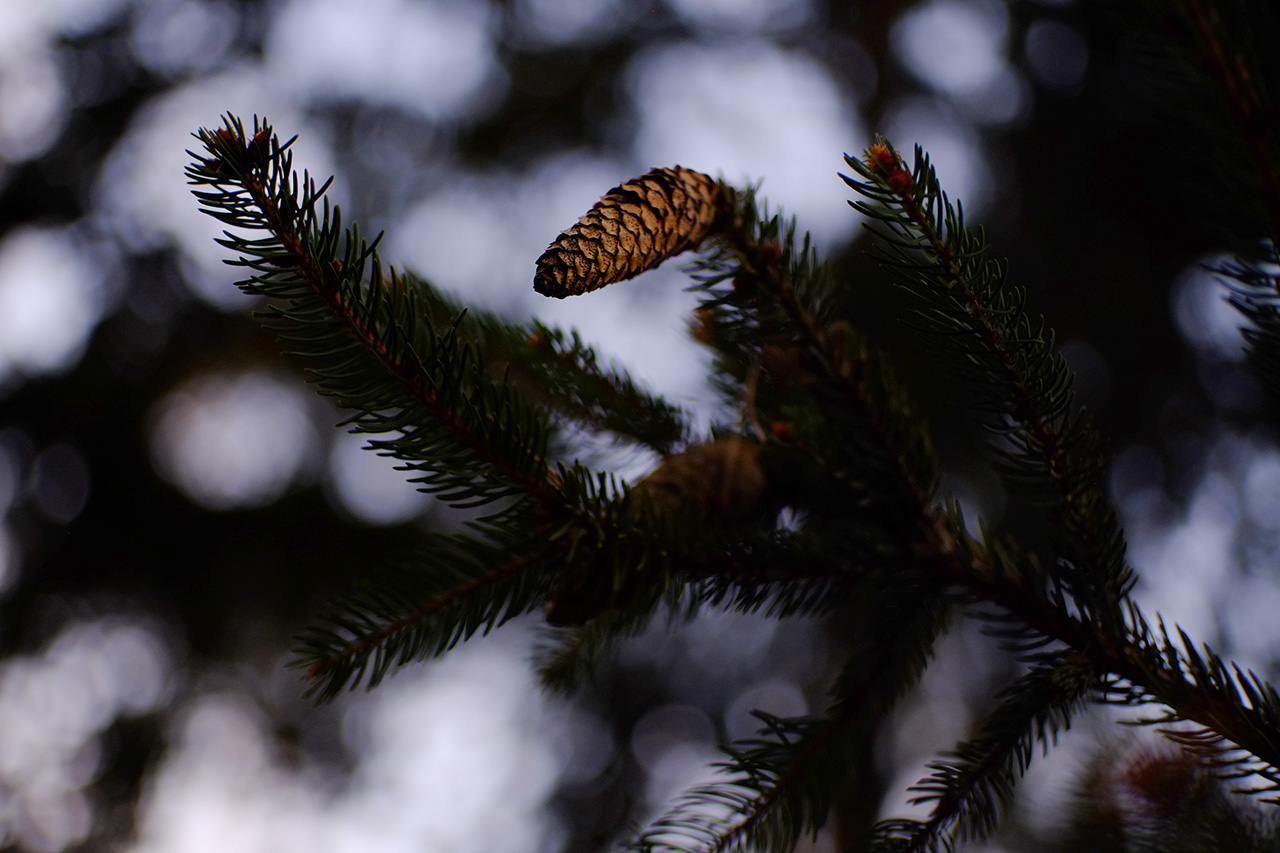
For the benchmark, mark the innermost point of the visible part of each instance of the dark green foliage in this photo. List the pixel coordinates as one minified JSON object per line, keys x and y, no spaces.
{"x":455,"y":587}
{"x":570,"y":381}
{"x":1016,"y":382}
{"x":1153,"y":800}
{"x":1255,"y":291}
{"x":974,"y":785}
{"x":364,"y":337}
{"x":1227,"y":50}
{"x":481,"y":413}
{"x":844,"y":418}
{"x":785,"y":782}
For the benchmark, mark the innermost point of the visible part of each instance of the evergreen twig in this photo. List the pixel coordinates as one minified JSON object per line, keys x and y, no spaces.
{"x":459,"y":400}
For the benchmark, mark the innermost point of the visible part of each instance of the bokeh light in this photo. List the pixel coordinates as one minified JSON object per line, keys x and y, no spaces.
{"x":54,"y":708}
{"x":750,"y":111}
{"x":143,"y":196}
{"x":1204,"y":316}
{"x":60,"y":483}
{"x":434,"y":57}
{"x":552,"y":23}
{"x":955,"y":46}
{"x":177,"y":37}
{"x":51,"y":297}
{"x":231,"y":440}
{"x":33,"y":96}
{"x":435,"y":749}
{"x":369,"y":486}
{"x":746,"y":15}
{"x":952,"y":146}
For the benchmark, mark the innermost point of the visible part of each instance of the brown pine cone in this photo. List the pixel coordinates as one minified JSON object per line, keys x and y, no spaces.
{"x":715,"y":485}
{"x":720,"y":483}
{"x":634,"y":228}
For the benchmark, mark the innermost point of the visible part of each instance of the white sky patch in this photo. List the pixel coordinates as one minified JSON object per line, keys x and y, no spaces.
{"x":646,"y":332}
{"x":1209,"y":565}
{"x":33,"y":104}
{"x":53,"y":708}
{"x":1252,"y":632}
{"x":51,"y":298}
{"x":368,"y":485}
{"x":958,"y":47}
{"x":675,"y":744}
{"x":751,"y":111}
{"x":1261,"y":489}
{"x":233,"y":440}
{"x":143,"y":194}
{"x":479,"y":236}
{"x":33,"y":96}
{"x":773,"y":696}
{"x":1182,"y":567}
{"x":955,"y":46}
{"x":952,"y":146}
{"x":560,"y":22}
{"x":175,"y":37}
{"x":33,"y":26}
{"x":770,"y":15}
{"x":69,"y":17}
{"x":451,"y":756}
{"x":432,"y":57}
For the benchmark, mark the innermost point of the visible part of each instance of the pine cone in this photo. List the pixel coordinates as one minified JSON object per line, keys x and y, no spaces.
{"x":719,"y":483}
{"x":633,"y":228}
{"x":714,"y":485}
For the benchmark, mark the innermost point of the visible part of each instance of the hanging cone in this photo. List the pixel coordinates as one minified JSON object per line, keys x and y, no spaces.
{"x":715,"y":485}
{"x":633,"y":228}
{"x":718,"y":484}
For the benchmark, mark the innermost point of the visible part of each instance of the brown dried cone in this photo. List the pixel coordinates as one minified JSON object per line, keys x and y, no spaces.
{"x":717,"y":484}
{"x":634,"y":228}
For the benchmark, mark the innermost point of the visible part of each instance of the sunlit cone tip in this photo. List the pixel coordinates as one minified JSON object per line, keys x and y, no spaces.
{"x":635,"y":227}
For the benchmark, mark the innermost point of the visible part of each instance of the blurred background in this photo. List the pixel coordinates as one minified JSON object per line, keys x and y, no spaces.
{"x":175,"y":502}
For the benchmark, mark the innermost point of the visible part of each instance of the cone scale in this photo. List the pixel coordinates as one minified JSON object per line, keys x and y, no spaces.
{"x":633,"y":228}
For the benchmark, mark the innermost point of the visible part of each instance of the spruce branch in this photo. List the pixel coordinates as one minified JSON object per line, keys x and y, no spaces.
{"x":1239,"y":712}
{"x":1007,"y":360}
{"x":783,"y":783}
{"x":456,"y":587}
{"x":779,"y":313}
{"x":1242,"y":84}
{"x":458,"y":396}
{"x":570,"y":380}
{"x":973,"y":785}
{"x":558,"y":371}
{"x":471,"y":438}
{"x":1253,"y":286}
